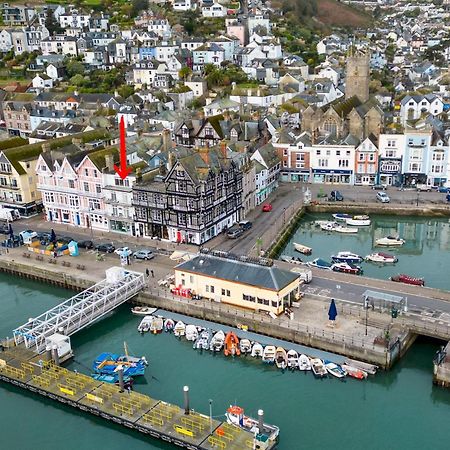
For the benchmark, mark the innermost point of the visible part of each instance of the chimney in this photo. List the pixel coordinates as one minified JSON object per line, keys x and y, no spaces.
{"x":172,"y":160}
{"x":46,"y":147}
{"x":204,"y":154}
{"x":109,"y":162}
{"x":166,"y":140}
{"x":138,"y":175}
{"x":223,"y":148}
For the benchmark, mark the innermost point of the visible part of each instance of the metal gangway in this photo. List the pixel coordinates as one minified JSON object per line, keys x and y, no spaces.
{"x":82,"y":309}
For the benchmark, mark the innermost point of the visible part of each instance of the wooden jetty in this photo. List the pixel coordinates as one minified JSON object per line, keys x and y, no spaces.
{"x":185,"y":428}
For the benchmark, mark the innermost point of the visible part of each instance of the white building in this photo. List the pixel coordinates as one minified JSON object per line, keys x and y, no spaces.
{"x":215,"y":10}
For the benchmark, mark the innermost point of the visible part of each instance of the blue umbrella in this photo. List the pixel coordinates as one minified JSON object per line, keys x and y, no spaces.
{"x":53,"y":236}
{"x":332,"y":311}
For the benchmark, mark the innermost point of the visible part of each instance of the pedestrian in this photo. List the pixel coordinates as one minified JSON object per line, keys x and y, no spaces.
{"x":147,"y":272}
{"x":55,"y":254}
{"x":153,"y":273}
{"x":128,"y":260}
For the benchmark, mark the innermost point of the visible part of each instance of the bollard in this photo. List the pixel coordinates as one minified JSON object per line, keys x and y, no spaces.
{"x":186,"y":399}
{"x":261,"y":420}
{"x":121,"y":382}
{"x":48,"y":353}
{"x":55,"y":355}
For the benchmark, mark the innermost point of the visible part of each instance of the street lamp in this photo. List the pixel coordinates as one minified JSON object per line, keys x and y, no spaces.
{"x":210,"y":416}
{"x":90,"y":223}
{"x":366,"y":306}
{"x":417,"y":199}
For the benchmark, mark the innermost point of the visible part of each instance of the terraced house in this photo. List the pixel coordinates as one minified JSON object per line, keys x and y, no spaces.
{"x":195,"y":196}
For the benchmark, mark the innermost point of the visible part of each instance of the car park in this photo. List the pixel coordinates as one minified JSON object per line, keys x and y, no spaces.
{"x":144,"y":254}
{"x":85,"y":244}
{"x":336,"y":196}
{"x":234,"y":232}
{"x":267,"y":207}
{"x":383,"y":197}
{"x":245,"y":224}
{"x":105,"y":248}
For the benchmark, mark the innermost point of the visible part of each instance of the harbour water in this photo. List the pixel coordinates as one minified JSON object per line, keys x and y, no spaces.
{"x":400,"y":409}
{"x":424,"y":254}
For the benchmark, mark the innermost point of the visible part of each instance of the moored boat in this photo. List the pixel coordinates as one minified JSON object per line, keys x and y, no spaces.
{"x":330,"y":226}
{"x":402,"y":278}
{"x":383,"y":258}
{"x":291,"y":259}
{"x":302,"y":248}
{"x":217,"y":341}
{"x":354,"y":372}
{"x":191,"y":332}
{"x":113,"y":379}
{"x":169,"y":325}
{"x":157,"y":325}
{"x":292,"y":359}
{"x":245,"y":346}
{"x":318,"y":368}
{"x":390,"y":241}
{"x":340,"y":217}
{"x":143,"y":310}
{"x":145,"y":324}
{"x":257,"y":350}
{"x":231,"y":345}
{"x":319,"y":264}
{"x":344,"y":267}
{"x":179,"y":329}
{"x":334,"y":369}
{"x":359,"y":221}
{"x":281,"y":359}
{"x":304,"y":363}
{"x":203,"y":340}
{"x":269,"y":354}
{"x":347,"y":257}
{"x":346,"y":230}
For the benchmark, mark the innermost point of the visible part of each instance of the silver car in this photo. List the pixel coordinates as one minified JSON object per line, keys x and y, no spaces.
{"x":144,"y":254}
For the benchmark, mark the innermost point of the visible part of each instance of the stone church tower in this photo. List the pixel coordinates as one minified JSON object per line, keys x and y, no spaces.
{"x":358,"y":76}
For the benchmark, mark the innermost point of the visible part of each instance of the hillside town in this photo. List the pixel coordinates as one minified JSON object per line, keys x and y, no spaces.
{"x":216,"y":120}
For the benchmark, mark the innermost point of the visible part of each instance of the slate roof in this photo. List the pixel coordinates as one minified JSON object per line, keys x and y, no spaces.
{"x":251,"y":274}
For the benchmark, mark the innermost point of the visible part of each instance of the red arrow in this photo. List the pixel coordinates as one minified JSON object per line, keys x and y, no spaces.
{"x":123,"y":171}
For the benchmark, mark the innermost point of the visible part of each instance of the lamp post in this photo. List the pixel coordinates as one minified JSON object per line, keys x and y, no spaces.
{"x":417,"y":199}
{"x":90,"y":223}
{"x":284,"y":216}
{"x":366,"y":306}
{"x":210,"y":415}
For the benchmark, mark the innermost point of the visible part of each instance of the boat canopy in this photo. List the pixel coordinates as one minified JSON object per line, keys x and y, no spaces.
{"x":384,"y":300}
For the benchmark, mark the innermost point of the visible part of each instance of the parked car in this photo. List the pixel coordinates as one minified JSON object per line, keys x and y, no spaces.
{"x":4,"y":229}
{"x":336,"y":196}
{"x":105,"y":248}
{"x":120,"y":250}
{"x":423,"y":188}
{"x":443,"y":190}
{"x":245,"y":224}
{"x":447,"y":197}
{"x":144,"y":254}
{"x":234,"y":232}
{"x":31,"y":233}
{"x":383,"y":197}
{"x":85,"y":244}
{"x":379,"y":187}
{"x":267,"y":207}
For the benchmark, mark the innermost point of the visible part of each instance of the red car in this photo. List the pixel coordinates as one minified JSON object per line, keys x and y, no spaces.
{"x":267,"y":207}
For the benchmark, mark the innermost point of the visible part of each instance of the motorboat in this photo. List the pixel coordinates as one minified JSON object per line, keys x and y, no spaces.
{"x":257,"y":350}
{"x":203,"y":340}
{"x":191,"y":332}
{"x":304,"y":363}
{"x":113,"y":379}
{"x":245,"y":346}
{"x":334,"y":369}
{"x":359,"y":221}
{"x":402,"y":278}
{"x":145,"y":324}
{"x":318,"y":368}
{"x":319,"y":223}
{"x":265,"y":438}
{"x":302,"y":248}
{"x":231,"y":345}
{"x":346,"y":230}
{"x":143,"y":310}
{"x":319,"y":264}
{"x":268,"y":355}
{"x":169,"y":325}
{"x":340,"y":217}
{"x":354,"y":372}
{"x":347,"y":257}
{"x":390,"y":241}
{"x":383,"y":258}
{"x":217,"y":341}
{"x":292,"y":357}
{"x":157,"y":325}
{"x":281,"y":359}
{"x":291,"y":259}
{"x":344,"y":267}
{"x":179,"y":329}
{"x":330,"y":226}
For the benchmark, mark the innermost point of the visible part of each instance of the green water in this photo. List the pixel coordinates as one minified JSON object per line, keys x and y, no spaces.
{"x":424,"y":254}
{"x":396,"y":410}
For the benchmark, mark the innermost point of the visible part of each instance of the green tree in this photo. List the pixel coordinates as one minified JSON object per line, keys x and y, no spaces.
{"x":125,"y":91}
{"x":77,"y":80}
{"x":74,"y":67}
{"x":137,"y":6}
{"x":184,"y":73}
{"x":51,"y":24}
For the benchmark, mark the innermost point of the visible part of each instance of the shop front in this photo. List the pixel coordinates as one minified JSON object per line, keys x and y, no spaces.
{"x":390,"y":172}
{"x":295,"y":175}
{"x":413,"y":179}
{"x":332,"y":176}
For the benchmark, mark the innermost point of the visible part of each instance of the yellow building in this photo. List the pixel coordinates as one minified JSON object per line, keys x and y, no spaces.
{"x":253,"y":285}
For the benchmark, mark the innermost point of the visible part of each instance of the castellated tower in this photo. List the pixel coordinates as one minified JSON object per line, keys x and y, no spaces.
{"x":357,"y":76}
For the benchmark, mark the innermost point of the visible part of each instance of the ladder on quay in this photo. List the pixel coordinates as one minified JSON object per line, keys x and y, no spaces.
{"x":81,"y":310}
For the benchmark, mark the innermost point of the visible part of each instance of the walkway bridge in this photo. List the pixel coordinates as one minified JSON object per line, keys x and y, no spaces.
{"x":81,"y":310}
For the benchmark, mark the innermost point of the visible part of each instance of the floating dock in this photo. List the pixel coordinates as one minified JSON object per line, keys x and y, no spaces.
{"x":180,"y":426}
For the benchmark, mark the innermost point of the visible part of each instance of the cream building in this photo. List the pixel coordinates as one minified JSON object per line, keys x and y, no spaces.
{"x":251,"y":285}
